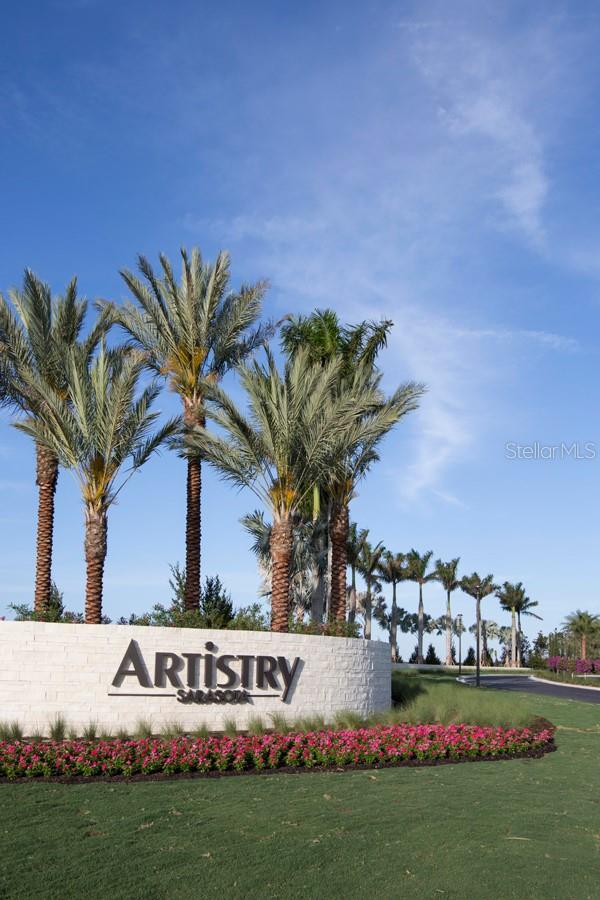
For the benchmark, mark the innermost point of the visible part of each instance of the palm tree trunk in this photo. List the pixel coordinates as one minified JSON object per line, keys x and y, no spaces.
{"x":95,"y":555}
{"x":317,"y":595}
{"x":368,"y":613}
{"x":46,"y":478}
{"x":394,"y":624}
{"x":421,"y":626}
{"x":485,"y":656}
{"x":193,"y":534}
{"x":584,"y":646}
{"x":519,"y":639}
{"x":281,"y":557}
{"x":352,"y":598}
{"x":339,"y":525}
{"x":448,"y":632}
{"x":513,"y":649}
{"x":327,"y":581}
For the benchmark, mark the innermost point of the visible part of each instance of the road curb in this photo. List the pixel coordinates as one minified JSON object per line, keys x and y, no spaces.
{"x":580,"y":687}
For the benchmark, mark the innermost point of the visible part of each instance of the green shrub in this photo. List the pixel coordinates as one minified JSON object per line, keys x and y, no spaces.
{"x":55,"y":611}
{"x":11,"y":731}
{"x":327,"y":629}
{"x":431,"y":657}
{"x":58,"y":728}
{"x":256,"y":726}
{"x":250,"y":618}
{"x":230,"y":728}
{"x":309,"y":723}
{"x":469,"y":659}
{"x":280,"y":723}
{"x":90,"y":732}
{"x":171,"y":729}
{"x":347,"y":719}
{"x":215,"y":611}
{"x":143,"y":728}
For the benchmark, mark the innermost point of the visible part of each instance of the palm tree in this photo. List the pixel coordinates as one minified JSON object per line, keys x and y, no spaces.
{"x":357,"y":347}
{"x":354,"y":545}
{"x":307,"y":557}
{"x":492,"y":632}
{"x":506,"y":637}
{"x":417,"y":571}
{"x":445,"y":573}
{"x":95,"y":430}
{"x":487,"y":631}
{"x":37,"y":331}
{"x":357,"y":453}
{"x":286,"y":445}
{"x":193,"y":332}
{"x":523,"y":608}
{"x":324,"y":338}
{"x":582,"y":625}
{"x":478,"y":588}
{"x":392,"y":570}
{"x":369,"y":565}
{"x":511,"y":596}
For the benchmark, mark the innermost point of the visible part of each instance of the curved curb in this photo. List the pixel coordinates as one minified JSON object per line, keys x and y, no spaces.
{"x":580,"y":687}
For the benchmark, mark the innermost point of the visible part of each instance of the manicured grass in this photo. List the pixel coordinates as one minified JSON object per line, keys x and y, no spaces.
{"x":513,"y":829}
{"x":441,"y":699}
{"x":566,"y":678}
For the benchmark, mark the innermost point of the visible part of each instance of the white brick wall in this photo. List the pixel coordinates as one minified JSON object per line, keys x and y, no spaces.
{"x":47,"y":669}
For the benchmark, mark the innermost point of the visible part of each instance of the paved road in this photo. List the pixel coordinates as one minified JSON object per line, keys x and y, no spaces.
{"x":524,"y":683}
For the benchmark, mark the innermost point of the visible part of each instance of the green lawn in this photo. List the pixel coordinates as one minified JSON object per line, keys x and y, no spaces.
{"x":514,"y":829}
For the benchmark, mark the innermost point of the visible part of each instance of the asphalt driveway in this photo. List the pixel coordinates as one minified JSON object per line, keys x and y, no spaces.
{"x":525,"y":683}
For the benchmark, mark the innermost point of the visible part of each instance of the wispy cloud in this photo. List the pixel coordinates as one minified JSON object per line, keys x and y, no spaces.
{"x":484,"y":104}
{"x":390,"y":218}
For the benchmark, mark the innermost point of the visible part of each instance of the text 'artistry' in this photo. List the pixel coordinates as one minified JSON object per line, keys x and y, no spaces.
{"x":227,"y":678}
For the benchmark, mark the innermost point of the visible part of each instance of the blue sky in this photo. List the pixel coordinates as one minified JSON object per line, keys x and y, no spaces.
{"x":432,"y":163}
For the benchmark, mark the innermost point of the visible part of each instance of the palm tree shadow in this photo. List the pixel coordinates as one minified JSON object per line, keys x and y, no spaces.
{"x":405,"y":689}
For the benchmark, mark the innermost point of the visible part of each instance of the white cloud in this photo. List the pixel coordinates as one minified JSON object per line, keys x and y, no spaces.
{"x":483,"y":103}
{"x":388,"y":219}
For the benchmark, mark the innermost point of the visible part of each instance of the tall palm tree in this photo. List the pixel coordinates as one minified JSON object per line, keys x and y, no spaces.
{"x":393,"y":570}
{"x":369,"y":565}
{"x":287,"y":443}
{"x":417,"y":565}
{"x":357,"y":454}
{"x":478,"y":588}
{"x":354,"y":543}
{"x":582,"y":625}
{"x":493,"y":631}
{"x":357,"y":347}
{"x":101,"y":424}
{"x":511,"y":595}
{"x":193,"y":332}
{"x":324,"y":338}
{"x":37,"y":331}
{"x":445,"y":573}
{"x":524,"y":607}
{"x":307,"y":556}
{"x":488,"y":631}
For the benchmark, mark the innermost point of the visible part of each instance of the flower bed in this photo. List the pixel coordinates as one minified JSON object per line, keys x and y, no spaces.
{"x":560,"y":664}
{"x":383,"y":745}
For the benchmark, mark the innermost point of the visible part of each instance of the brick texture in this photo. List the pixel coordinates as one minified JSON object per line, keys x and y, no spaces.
{"x":49,"y":669}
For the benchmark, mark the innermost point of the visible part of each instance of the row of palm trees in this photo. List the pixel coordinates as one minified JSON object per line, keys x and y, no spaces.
{"x":376,"y":565}
{"x":85,"y":407}
{"x":310,"y":433}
